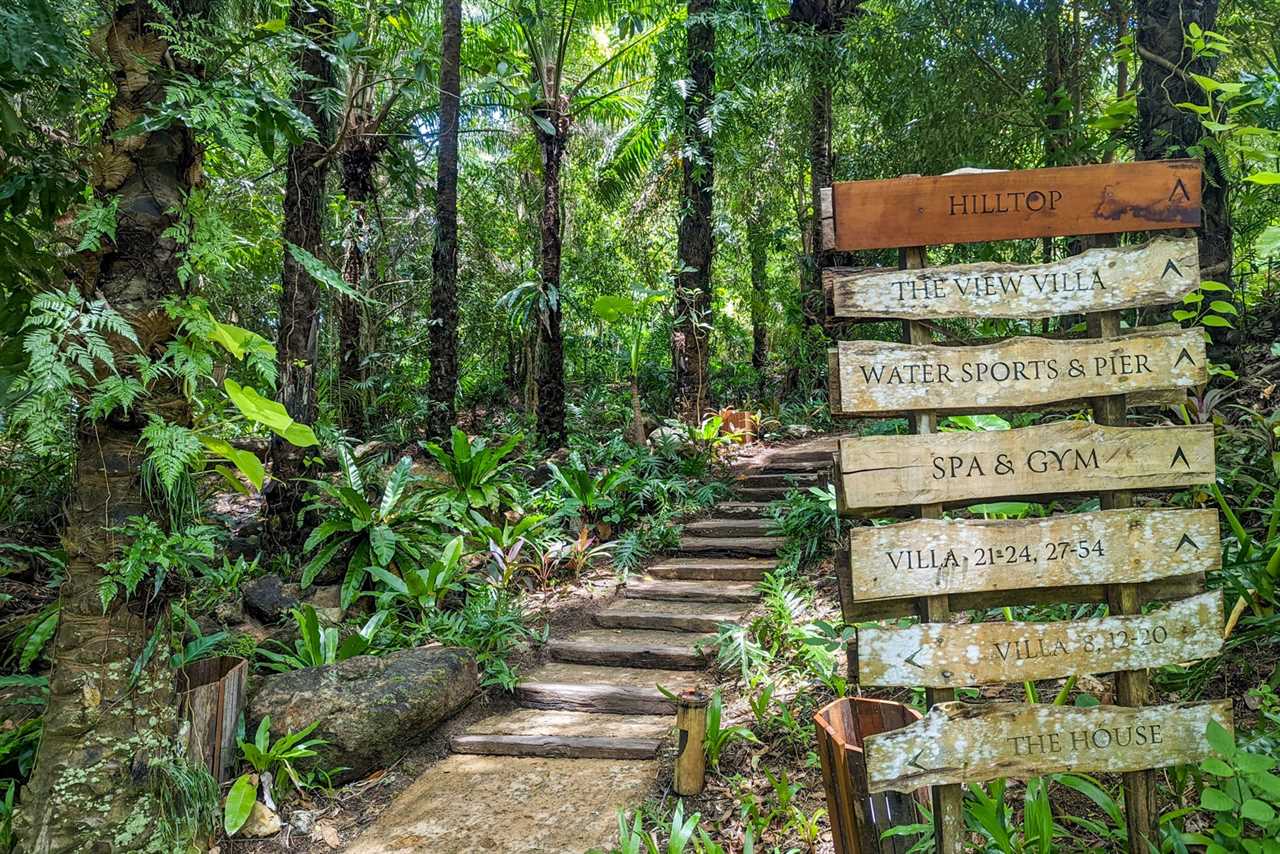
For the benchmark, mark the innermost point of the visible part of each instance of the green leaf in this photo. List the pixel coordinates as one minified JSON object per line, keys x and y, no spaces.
{"x":1208,"y":285}
{"x":383,"y":542}
{"x":1215,"y":766}
{"x":1215,"y":320}
{"x":1223,"y":307}
{"x":1217,"y":800}
{"x":1264,"y":178}
{"x":1258,"y":812}
{"x":1254,"y":763}
{"x":247,"y":462}
{"x":300,"y":436}
{"x":239,"y":803}
{"x":1220,"y":739}
{"x":257,"y":408}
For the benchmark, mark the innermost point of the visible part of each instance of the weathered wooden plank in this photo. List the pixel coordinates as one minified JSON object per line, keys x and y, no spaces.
{"x":827,"y":219}
{"x":931,"y":556}
{"x":885,"y":377}
{"x":1162,"y":270}
{"x":1162,"y":590}
{"x":1057,"y":202}
{"x":955,"y":655}
{"x":1064,"y":457}
{"x":970,"y":742}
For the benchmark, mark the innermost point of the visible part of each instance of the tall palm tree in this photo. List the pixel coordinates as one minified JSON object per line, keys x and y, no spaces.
{"x":103,"y":723}
{"x":564,"y":81}
{"x":690,"y":339}
{"x":444,"y":255}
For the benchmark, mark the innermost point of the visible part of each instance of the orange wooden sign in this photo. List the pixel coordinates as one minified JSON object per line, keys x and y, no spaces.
{"x":1058,"y":202}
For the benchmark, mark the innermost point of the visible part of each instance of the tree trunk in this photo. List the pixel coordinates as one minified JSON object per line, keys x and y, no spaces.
{"x":1165,"y":131}
{"x":758,"y":248}
{"x":1050,"y":88}
{"x":690,"y":342}
{"x":550,"y":344}
{"x":89,"y":790}
{"x":812,"y":301}
{"x":444,"y":256}
{"x":359,"y":159}
{"x":306,"y":171}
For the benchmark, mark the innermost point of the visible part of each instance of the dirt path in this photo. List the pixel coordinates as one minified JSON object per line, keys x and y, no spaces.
{"x":550,"y":776}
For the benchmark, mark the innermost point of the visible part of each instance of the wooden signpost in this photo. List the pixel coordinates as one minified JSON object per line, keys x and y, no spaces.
{"x":928,"y":557}
{"x":1049,"y":459}
{"x":882,"y":378}
{"x":972,"y":742}
{"x":1162,"y":270}
{"x":1120,"y":554}
{"x":1058,"y":202}
{"x":943,"y":655}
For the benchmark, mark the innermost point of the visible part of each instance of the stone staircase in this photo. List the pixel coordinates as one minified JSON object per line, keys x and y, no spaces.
{"x":597,"y":696}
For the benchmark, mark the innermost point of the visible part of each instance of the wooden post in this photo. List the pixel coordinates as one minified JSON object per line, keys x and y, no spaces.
{"x":691,"y":757}
{"x":1131,"y":685}
{"x":948,"y":801}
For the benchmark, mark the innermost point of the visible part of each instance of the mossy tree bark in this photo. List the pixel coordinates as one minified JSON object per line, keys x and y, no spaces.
{"x":552,"y":140}
{"x":306,"y":171}
{"x":691,"y":337}
{"x":1167,"y":131}
{"x":444,"y":255}
{"x":89,"y":790}
{"x":360,"y":150}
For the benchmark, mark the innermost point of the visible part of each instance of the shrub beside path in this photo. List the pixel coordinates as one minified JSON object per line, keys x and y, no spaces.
{"x":549,"y":777}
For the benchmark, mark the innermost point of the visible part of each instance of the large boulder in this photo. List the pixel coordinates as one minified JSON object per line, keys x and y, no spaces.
{"x":370,"y":709}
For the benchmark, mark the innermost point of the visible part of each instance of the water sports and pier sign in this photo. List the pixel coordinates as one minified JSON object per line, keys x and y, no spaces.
{"x":885,"y":377}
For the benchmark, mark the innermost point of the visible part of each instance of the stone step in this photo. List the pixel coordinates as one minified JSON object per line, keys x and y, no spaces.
{"x":758,"y":495}
{"x":712,"y":568}
{"x":668,"y":616}
{"x":742,"y":510}
{"x":760,"y":546}
{"x":778,"y":480}
{"x":760,"y":526}
{"x":556,"y":733}
{"x":647,"y":587}
{"x":634,"y":648}
{"x":605,"y":690}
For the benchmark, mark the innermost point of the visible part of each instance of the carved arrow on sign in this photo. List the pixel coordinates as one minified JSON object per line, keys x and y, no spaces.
{"x":1180,"y":455}
{"x":911,"y":659}
{"x":1169,"y":265}
{"x":1187,"y":541}
{"x":1185,"y":354}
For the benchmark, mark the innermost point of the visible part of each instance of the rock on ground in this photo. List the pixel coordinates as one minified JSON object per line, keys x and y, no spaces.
{"x":370,"y":709}
{"x":506,"y":805}
{"x":269,"y":597}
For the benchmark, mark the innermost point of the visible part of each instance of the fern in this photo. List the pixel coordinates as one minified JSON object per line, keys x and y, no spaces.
{"x":174,"y":454}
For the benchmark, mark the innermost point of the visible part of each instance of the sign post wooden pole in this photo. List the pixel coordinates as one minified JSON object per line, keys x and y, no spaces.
{"x":948,"y":800}
{"x":1124,"y":599}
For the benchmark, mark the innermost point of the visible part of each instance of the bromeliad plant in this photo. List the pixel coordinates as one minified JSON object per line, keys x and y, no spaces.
{"x":593,"y":498}
{"x":272,"y":762}
{"x":423,"y":587}
{"x":319,"y":645}
{"x":391,"y":533}
{"x":477,"y":472}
